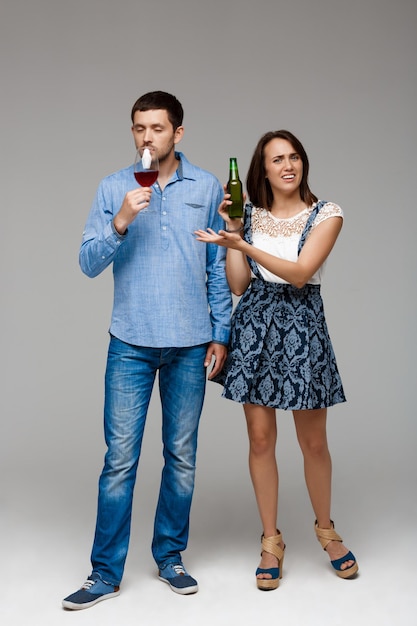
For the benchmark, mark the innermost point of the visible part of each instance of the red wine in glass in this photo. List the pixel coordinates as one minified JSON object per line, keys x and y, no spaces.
{"x":146,"y":167}
{"x":146,"y":178}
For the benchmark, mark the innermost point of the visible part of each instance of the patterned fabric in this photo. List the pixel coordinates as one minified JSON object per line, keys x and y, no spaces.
{"x":266,"y":224}
{"x":280,"y":353}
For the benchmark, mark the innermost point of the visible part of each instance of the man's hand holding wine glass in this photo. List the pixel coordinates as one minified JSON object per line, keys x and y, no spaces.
{"x":134,"y":202}
{"x":145,"y":170}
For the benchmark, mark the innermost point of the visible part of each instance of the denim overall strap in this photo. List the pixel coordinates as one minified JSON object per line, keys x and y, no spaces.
{"x":309,"y":224}
{"x":247,"y":235}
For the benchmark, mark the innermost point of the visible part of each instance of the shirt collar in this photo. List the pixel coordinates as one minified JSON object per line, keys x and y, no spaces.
{"x":185,"y":169}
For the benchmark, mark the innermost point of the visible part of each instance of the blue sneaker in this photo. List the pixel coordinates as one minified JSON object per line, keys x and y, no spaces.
{"x":93,"y":590}
{"x":178,"y":578}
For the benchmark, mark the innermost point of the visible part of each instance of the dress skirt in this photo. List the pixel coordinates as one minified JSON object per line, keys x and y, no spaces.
{"x":280,"y":353}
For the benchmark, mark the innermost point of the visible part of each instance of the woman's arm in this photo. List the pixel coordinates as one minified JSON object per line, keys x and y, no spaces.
{"x":312,"y":256}
{"x":315,"y":251}
{"x":237,"y":271}
{"x":237,"y":268}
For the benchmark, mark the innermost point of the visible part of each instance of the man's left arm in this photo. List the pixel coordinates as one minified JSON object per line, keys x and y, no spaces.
{"x":218,"y":291}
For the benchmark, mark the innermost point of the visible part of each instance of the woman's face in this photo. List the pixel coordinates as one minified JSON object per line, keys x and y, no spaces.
{"x":283,"y":166}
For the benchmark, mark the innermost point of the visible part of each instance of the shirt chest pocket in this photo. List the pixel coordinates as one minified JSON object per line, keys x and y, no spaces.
{"x":194,"y":216}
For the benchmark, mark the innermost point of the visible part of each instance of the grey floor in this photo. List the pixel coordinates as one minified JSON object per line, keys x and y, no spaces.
{"x":48,"y":526}
{"x":47,"y":560}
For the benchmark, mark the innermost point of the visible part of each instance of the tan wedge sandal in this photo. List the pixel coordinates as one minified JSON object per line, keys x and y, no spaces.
{"x":325,"y":536}
{"x":271,"y":545}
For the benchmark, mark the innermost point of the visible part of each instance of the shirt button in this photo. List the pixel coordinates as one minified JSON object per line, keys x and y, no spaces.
{"x":164,"y":227}
{"x":164,"y":212}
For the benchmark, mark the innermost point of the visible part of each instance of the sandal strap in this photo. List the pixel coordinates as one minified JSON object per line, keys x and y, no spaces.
{"x":326,"y":535}
{"x":337,"y":563}
{"x":271,"y":545}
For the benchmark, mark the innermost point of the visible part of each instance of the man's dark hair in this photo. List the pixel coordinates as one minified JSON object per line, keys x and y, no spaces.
{"x":160,"y":100}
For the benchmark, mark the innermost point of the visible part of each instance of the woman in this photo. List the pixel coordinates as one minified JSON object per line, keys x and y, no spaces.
{"x":280,"y":356}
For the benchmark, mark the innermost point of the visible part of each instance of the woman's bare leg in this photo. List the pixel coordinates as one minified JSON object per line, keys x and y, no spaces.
{"x":312,"y":436}
{"x":262,"y":432}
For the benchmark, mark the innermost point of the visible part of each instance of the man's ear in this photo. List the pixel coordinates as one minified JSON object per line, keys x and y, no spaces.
{"x":178,"y":135}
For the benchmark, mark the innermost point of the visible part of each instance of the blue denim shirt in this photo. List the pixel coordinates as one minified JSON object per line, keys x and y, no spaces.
{"x":169,"y":289}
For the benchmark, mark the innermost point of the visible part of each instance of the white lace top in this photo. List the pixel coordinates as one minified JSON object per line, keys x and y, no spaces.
{"x":280,"y":237}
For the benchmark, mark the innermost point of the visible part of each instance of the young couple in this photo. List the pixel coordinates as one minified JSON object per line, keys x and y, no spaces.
{"x":171,"y":317}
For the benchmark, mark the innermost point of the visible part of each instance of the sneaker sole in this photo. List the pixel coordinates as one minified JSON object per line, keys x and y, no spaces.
{"x":184,"y":591}
{"x":86,"y":605}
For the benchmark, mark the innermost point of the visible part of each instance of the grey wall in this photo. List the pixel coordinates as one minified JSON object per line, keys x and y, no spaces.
{"x":341,"y":76}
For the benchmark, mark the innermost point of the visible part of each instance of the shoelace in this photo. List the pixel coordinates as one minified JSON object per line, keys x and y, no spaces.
{"x":179,"y":570}
{"x":88,"y":584}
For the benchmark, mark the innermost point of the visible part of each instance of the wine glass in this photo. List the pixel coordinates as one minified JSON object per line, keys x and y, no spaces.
{"x":146,"y":167}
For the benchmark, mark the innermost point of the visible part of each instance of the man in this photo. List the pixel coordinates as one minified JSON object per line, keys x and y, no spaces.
{"x":171,"y":315}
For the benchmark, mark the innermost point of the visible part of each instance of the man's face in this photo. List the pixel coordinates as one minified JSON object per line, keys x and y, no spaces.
{"x":153,"y":129}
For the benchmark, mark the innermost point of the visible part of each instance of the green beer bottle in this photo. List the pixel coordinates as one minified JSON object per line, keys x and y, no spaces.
{"x":234,"y":187}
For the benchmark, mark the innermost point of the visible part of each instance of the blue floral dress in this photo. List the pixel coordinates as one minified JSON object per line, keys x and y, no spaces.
{"x":280,"y":353}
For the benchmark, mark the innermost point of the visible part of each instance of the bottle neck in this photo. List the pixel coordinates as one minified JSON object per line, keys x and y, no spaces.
{"x":233,"y":169}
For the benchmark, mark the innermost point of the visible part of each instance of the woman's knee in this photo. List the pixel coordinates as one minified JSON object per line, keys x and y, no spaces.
{"x":262,"y":442}
{"x":311,"y":432}
{"x":314,"y":446}
{"x":262,"y":429}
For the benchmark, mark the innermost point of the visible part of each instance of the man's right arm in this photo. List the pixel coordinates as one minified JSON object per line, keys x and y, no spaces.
{"x":106,"y":229}
{"x":101,"y":241}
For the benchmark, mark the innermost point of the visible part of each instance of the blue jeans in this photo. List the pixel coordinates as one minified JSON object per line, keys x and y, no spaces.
{"x":130,"y":377}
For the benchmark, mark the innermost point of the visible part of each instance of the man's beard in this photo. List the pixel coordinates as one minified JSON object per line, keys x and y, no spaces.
{"x":163,"y":157}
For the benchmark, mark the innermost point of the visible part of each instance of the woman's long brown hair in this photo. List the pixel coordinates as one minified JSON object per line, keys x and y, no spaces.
{"x":257,"y":185}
